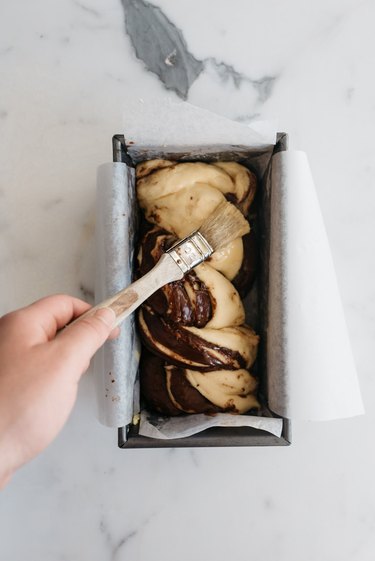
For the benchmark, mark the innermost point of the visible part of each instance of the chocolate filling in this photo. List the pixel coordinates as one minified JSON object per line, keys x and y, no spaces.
{"x":188,"y":397}
{"x":249,"y":193}
{"x":185,"y":347}
{"x":153,"y":385}
{"x":245,"y":277}
{"x":143,"y":169}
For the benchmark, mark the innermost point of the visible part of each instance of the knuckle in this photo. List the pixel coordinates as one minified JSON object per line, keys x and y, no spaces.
{"x":95,"y":326}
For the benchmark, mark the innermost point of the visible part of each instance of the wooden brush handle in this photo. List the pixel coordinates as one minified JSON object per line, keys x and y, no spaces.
{"x":126,"y":301}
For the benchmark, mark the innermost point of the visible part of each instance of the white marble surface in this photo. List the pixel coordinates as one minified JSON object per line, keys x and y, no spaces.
{"x":66,"y":68}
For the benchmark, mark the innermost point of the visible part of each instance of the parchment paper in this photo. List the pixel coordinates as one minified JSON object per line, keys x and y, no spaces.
{"x":116,"y":363}
{"x":181,"y":427}
{"x":311,"y":370}
{"x":162,"y":122}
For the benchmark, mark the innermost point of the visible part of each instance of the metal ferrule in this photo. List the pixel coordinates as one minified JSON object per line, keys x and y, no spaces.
{"x":190,"y":251}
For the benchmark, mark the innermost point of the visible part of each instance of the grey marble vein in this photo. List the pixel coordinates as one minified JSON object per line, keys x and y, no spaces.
{"x":121,"y":543}
{"x":164,"y":51}
{"x":247,"y":117}
{"x":349,"y":93}
{"x":87,"y":292}
{"x":227,"y":72}
{"x":264,"y":86}
{"x":116,"y":546}
{"x":194,"y":458}
{"x":6,"y":50}
{"x":51,"y":203}
{"x":87,"y":9}
{"x":161,"y":46}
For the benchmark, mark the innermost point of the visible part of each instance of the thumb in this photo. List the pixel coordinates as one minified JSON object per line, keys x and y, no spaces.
{"x":83,"y":338}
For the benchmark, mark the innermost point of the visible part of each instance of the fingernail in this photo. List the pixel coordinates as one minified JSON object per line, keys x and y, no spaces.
{"x":107,"y":316}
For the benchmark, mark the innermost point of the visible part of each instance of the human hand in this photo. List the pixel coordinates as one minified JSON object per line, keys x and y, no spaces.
{"x":40,"y":367}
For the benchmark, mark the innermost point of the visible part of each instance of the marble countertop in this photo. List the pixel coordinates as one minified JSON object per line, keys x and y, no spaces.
{"x":66,"y":68}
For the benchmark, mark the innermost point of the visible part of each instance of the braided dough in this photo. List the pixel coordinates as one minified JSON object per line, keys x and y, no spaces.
{"x":198,"y":350}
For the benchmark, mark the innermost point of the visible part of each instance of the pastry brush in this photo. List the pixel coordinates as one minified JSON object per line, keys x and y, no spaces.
{"x":225,"y":224}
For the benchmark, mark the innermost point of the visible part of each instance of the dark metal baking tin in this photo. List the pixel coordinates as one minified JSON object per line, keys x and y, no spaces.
{"x":128,"y":436}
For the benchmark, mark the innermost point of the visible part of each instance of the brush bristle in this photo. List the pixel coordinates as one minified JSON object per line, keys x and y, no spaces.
{"x":224,"y":225}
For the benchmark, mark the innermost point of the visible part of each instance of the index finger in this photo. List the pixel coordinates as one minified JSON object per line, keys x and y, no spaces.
{"x":52,"y":313}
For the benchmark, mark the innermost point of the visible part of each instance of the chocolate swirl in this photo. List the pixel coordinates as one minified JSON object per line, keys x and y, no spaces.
{"x":174,"y":390}
{"x":170,"y":393}
{"x":204,"y":349}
